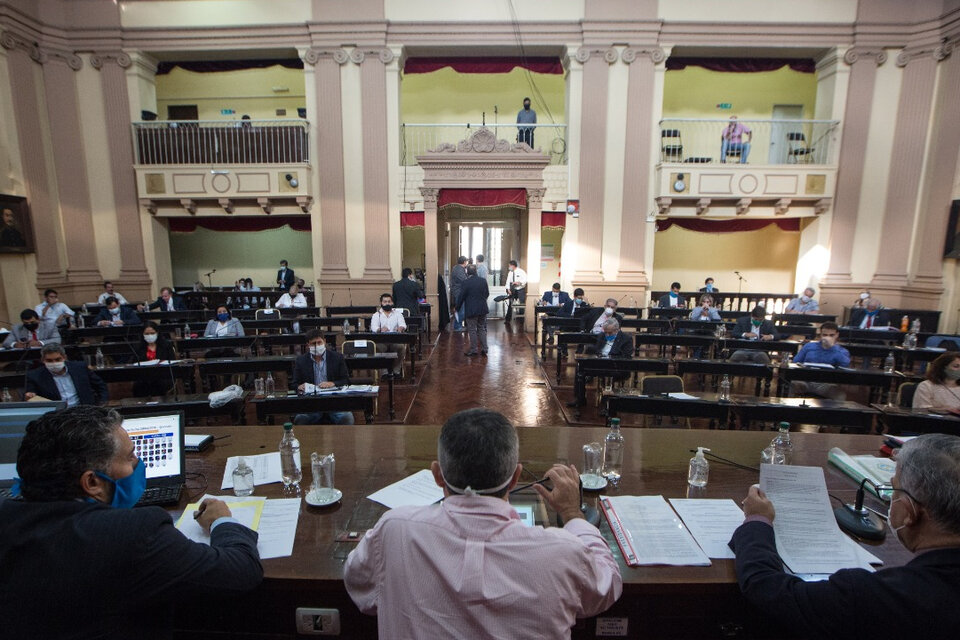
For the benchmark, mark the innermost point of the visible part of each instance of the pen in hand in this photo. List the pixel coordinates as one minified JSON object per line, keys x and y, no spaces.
{"x":199,"y":511}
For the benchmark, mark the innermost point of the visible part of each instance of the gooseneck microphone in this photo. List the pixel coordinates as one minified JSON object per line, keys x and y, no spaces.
{"x":858,"y":521}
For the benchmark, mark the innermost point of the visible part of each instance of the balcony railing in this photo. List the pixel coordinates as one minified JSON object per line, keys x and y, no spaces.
{"x":771,"y":142}
{"x":416,"y":139}
{"x":217,"y":143}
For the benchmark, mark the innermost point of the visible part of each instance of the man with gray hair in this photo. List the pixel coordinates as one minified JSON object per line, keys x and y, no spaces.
{"x":916,"y":600}
{"x":59,"y":379}
{"x":805,"y":304}
{"x":468,"y":567}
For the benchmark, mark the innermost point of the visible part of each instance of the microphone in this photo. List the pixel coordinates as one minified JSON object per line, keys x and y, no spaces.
{"x":858,"y":521}
{"x":350,"y":293}
{"x":332,"y":296}
{"x":210,"y":273}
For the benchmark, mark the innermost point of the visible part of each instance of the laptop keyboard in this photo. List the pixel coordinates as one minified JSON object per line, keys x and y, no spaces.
{"x":160,"y":495}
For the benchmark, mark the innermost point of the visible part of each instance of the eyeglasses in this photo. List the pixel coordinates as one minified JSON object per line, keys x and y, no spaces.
{"x":889,"y":488}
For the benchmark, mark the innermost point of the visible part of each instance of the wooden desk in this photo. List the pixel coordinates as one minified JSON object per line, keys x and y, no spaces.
{"x":664,"y":340}
{"x":875,"y":379}
{"x":564,"y":340}
{"x":899,"y":420}
{"x":779,"y":346}
{"x":762,"y":372}
{"x":804,"y":411}
{"x":194,"y":405}
{"x":409,"y":339}
{"x":182,"y":370}
{"x":658,"y":601}
{"x":599,"y":367}
{"x":703,"y":405}
{"x":291,"y":404}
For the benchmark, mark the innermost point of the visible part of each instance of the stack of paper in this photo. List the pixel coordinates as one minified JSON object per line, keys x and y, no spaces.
{"x":266,"y":469}
{"x":649,"y":532}
{"x":711,"y":522}
{"x":417,"y":490}
{"x":275,"y":521}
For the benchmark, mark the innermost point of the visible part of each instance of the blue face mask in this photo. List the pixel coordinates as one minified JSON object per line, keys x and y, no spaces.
{"x":611,"y":338}
{"x":709,"y":287}
{"x":873,"y":313}
{"x":223,"y":317}
{"x":126,"y":491}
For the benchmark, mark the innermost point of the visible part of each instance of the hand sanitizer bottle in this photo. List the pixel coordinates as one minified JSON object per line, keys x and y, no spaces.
{"x":699,"y":469}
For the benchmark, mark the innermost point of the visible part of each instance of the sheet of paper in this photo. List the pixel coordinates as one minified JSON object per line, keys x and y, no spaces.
{"x":808,"y":538}
{"x":416,"y":490}
{"x":655,"y":532}
{"x":682,"y":396}
{"x":711,"y":522}
{"x":278,"y":528}
{"x":266,"y":469}
{"x":247,"y":512}
{"x":817,"y":365}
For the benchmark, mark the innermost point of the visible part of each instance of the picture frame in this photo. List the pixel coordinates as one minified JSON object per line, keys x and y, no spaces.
{"x":16,"y":227}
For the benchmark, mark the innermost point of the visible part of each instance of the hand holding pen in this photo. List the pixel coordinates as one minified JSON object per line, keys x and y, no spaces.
{"x":209,"y":511}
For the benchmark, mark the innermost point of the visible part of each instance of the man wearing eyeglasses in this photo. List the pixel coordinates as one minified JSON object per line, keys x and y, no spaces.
{"x":918,"y":599}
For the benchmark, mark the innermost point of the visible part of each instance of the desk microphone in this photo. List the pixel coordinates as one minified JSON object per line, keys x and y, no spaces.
{"x":350,"y":293}
{"x":332,"y":296}
{"x":859,"y":521}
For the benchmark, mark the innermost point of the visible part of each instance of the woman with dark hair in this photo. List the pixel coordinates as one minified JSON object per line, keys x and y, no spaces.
{"x":153,"y":345}
{"x":940,"y":390}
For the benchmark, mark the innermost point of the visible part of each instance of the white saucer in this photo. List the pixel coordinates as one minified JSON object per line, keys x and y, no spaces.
{"x":590,"y":483}
{"x":311,"y":500}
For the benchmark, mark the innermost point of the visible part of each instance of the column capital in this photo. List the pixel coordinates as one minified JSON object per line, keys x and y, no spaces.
{"x":99,"y":58}
{"x":430,"y":195}
{"x":939,"y":53}
{"x":314,"y":55}
{"x":40,"y":54}
{"x":609,"y":54}
{"x":657,"y":55}
{"x":854,"y":54}
{"x":535,"y":197}
{"x":383,"y":54}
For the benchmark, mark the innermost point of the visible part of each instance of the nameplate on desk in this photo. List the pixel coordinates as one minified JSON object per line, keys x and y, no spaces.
{"x":360,"y":344}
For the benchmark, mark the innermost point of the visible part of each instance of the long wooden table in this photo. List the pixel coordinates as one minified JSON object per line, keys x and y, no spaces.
{"x":657,"y":602}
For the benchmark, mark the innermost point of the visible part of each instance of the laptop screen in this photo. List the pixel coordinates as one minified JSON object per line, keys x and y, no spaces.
{"x":158,"y":441}
{"x":14,"y":418}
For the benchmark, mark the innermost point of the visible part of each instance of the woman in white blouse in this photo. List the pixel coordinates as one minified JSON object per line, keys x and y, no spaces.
{"x":940,"y":390}
{"x":292,"y":299}
{"x":224,"y":325}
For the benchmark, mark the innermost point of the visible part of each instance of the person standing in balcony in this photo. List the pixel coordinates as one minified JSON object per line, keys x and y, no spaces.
{"x":732,"y":140}
{"x":526,"y":116}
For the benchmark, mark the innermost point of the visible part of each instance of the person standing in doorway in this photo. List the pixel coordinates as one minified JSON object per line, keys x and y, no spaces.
{"x":526,"y":116}
{"x":473,"y":304}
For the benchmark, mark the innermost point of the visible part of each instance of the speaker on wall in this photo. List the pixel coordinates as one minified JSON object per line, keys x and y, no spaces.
{"x":951,"y":246}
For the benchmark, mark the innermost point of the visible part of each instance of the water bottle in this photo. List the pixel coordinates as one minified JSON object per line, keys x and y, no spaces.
{"x":81,"y":322}
{"x":243,"y":478}
{"x":904,"y":323}
{"x":269,"y":387}
{"x":889,"y":364}
{"x":785,"y":361}
{"x":613,"y":453}
{"x":290,"y":470}
{"x":99,"y":359}
{"x":6,"y":395}
{"x":724,"y":388}
{"x":258,"y":387}
{"x":359,"y":325}
{"x":915,"y":326}
{"x":83,"y":309}
{"x":346,"y":327}
{"x":699,"y":469}
{"x":186,"y":330}
{"x":780,"y":450}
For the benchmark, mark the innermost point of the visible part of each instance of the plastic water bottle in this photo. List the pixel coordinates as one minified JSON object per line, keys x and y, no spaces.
{"x":290,"y":470}
{"x":99,"y":359}
{"x":83,"y":309}
{"x":359,"y":325}
{"x":780,"y":450}
{"x":724,"y":388}
{"x":699,"y":469}
{"x":258,"y":387}
{"x":346,"y":327}
{"x":186,"y":330}
{"x":6,"y":395}
{"x":889,"y":363}
{"x":243,"y":478}
{"x":270,"y":387}
{"x":81,"y":322}
{"x":613,"y":453}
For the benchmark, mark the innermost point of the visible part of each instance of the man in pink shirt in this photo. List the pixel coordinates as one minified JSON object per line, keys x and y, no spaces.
{"x":468,"y":567}
{"x":732,"y":140}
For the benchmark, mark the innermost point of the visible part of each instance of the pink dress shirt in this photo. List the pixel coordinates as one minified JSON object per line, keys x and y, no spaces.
{"x":469,"y":568}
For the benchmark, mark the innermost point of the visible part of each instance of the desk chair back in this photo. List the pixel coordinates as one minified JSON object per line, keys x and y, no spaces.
{"x":658,"y":385}
{"x":905,"y":394}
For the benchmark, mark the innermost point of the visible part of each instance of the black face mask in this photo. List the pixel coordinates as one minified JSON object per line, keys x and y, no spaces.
{"x":387,"y":307}
{"x":31,"y":326}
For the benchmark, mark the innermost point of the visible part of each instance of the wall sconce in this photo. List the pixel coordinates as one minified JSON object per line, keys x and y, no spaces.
{"x":291,"y":180}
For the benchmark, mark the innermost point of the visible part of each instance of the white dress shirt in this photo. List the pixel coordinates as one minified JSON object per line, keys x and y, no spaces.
{"x":68,"y":390}
{"x":52,"y":313}
{"x":516,"y":279}
{"x":286,"y":302}
{"x":391,"y":322}
{"x":103,"y":298}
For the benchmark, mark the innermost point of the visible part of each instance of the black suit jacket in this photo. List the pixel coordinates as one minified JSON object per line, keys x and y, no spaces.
{"x":127,"y":315}
{"x":136,"y":563}
{"x":90,"y":388}
{"x":473,"y":297}
{"x":288,"y":278}
{"x":882,"y":319}
{"x":337,"y":371}
{"x":664,"y":302}
{"x":917,"y":600}
{"x":569,"y":309}
{"x":406,"y":295}
{"x":178,"y":304}
{"x":622,"y":346}
{"x":547,"y":297}
{"x":590,"y":318}
{"x":743,"y":326}
{"x":165,"y":350}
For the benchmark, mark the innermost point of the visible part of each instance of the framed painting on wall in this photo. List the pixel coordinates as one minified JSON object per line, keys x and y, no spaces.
{"x":16,"y":232}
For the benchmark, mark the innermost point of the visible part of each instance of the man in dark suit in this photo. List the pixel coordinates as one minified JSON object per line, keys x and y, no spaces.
{"x":324,"y":369}
{"x":58,"y":379}
{"x":753,"y":327}
{"x":917,"y":600}
{"x":871,"y":315}
{"x":407,"y":293}
{"x":285,"y":276}
{"x":672,"y":299}
{"x":168,"y":301}
{"x":112,"y":314}
{"x":555,"y":297}
{"x":593,"y":320}
{"x":73,"y":543}
{"x":611,"y":343}
{"x":473,"y":306}
{"x":571,"y":307}
{"x":457,"y":277}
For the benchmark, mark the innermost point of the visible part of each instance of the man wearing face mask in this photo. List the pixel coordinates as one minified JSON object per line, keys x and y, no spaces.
{"x":389,"y":320}
{"x":871,"y":315}
{"x":73,"y":543}
{"x":861,"y":300}
{"x":916,"y":600}
{"x":593,"y":319}
{"x":753,"y":327}
{"x":574,"y":306}
{"x":526,"y":116}
{"x":826,"y":350}
{"x":805,"y":304}
{"x":325,"y":369}
{"x":31,"y":332}
{"x":113,"y":315}
{"x":673,"y":299}
{"x":59,"y":379}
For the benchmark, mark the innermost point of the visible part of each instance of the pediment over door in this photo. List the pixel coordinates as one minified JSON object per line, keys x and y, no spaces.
{"x":483,"y":162}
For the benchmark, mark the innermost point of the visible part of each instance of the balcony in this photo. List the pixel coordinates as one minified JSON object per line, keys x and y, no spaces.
{"x":782,"y":167}
{"x":244,"y":166}
{"x":418,"y":138}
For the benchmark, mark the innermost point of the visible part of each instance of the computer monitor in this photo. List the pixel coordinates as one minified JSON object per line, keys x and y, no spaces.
{"x":14,"y":418}
{"x":158,"y":442}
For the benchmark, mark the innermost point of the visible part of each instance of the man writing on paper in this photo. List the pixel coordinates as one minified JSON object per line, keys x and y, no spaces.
{"x":917,"y":600}
{"x":468,"y":567}
{"x":75,"y":559}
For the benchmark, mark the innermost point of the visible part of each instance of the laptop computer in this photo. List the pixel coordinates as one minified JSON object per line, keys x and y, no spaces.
{"x":158,"y":442}
{"x":14,"y":418}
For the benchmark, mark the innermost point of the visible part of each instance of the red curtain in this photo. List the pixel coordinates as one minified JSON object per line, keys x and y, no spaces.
{"x":239,"y":223}
{"x":483,"y":198}
{"x":411,"y":219}
{"x":553,"y":220}
{"x":728,"y":226}
{"x":548,"y":64}
{"x":743,"y":65}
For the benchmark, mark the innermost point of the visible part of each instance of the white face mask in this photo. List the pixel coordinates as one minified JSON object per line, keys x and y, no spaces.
{"x":805,"y":298}
{"x":893,"y":529}
{"x":150,"y":338}
{"x":55,"y":367}
{"x":115,"y":311}
{"x":318,"y":350}
{"x":864,"y":296}
{"x":608,"y":311}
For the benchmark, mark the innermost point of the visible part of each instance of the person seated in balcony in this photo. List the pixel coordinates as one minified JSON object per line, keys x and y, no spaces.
{"x":735,"y":139}
{"x":109,"y":292}
{"x":672,"y":300}
{"x":805,"y":304}
{"x":861,"y":300}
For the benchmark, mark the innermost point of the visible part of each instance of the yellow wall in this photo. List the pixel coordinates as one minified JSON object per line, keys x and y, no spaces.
{"x":414,"y":246}
{"x":695,"y":92}
{"x":247,"y":92}
{"x":447,"y":96}
{"x":550,"y":267}
{"x":767,"y":259}
{"x":238,"y":255}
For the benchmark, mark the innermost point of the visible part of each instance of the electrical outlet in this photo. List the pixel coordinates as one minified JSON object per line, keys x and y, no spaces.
{"x":318,"y":622}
